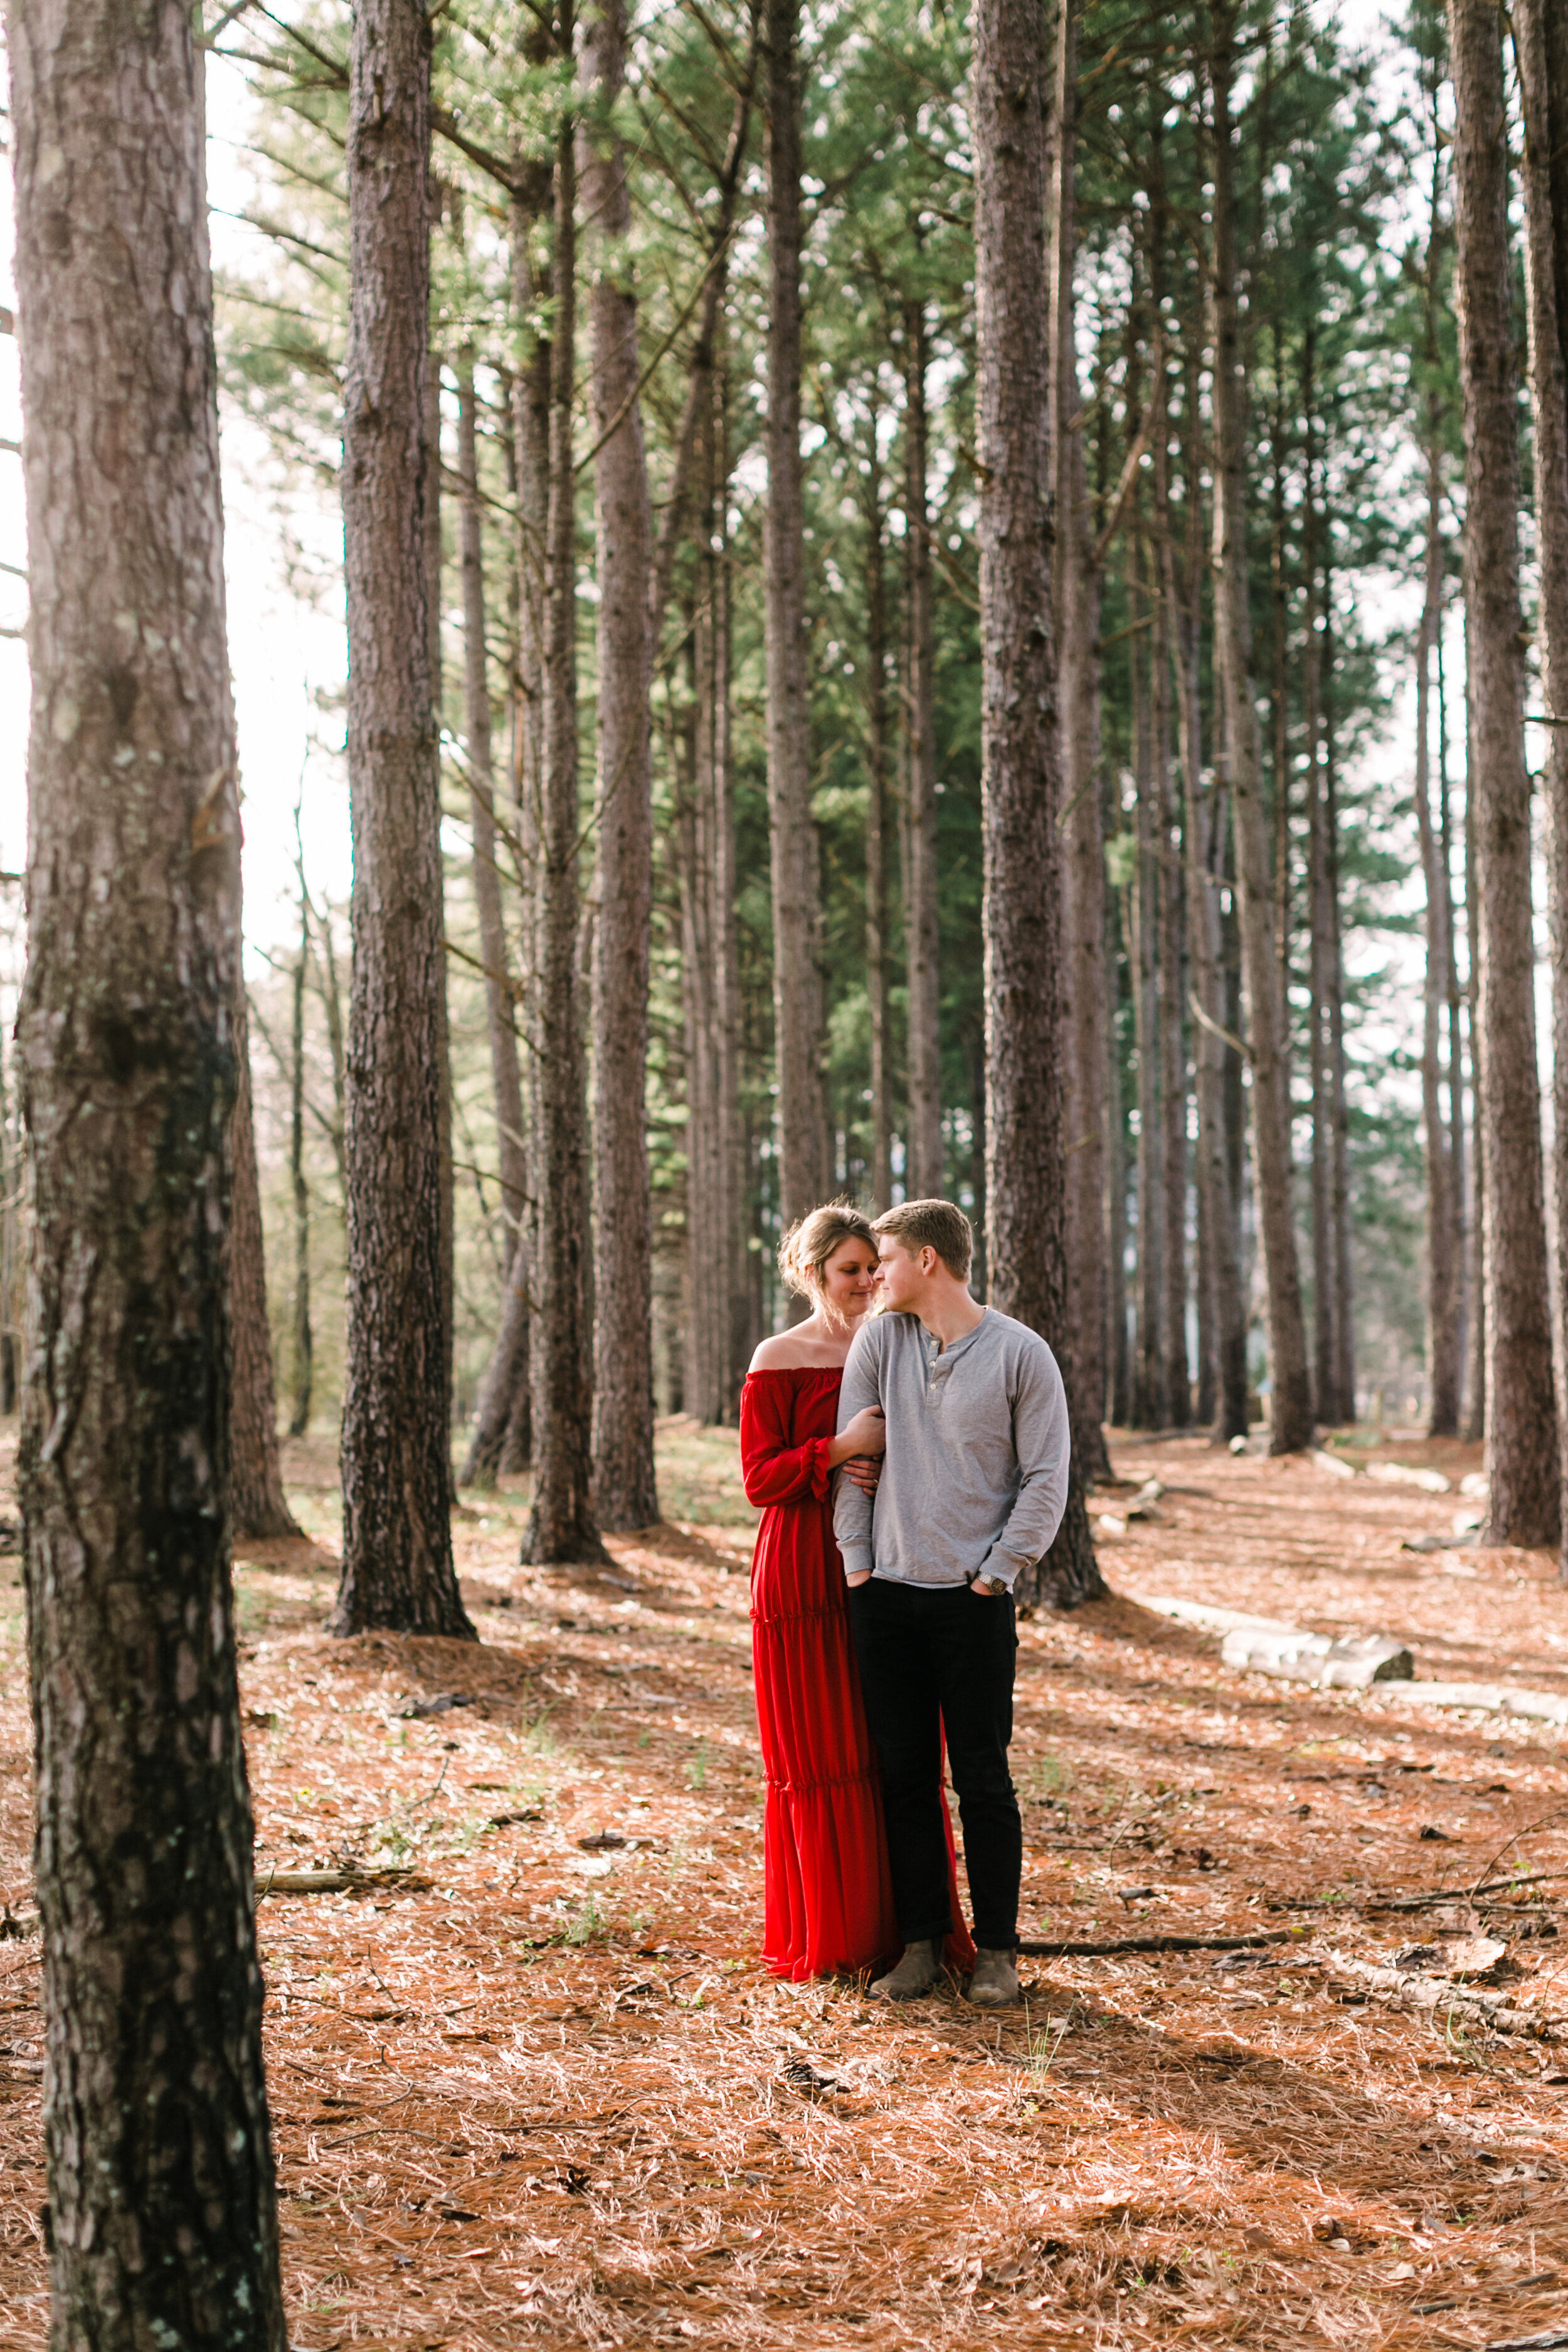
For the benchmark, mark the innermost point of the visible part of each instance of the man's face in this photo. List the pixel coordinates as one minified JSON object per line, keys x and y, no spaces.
{"x":903,"y":1283}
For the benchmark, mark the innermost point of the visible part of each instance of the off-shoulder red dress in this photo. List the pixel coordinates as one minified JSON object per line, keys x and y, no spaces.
{"x":828,"y":1895}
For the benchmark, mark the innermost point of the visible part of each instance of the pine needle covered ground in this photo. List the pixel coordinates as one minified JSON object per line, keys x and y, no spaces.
{"x":538,"y":2091}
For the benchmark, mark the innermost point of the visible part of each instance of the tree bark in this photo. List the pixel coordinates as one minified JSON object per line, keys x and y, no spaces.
{"x":1078,"y":582}
{"x":877,"y":734}
{"x":1540,"y":41}
{"x":1149,"y":1363}
{"x":1443,"y":1362}
{"x":1225,"y":1363}
{"x":1522,"y":1450}
{"x":1475,"y":1257}
{"x":797,"y":990}
{"x":561,"y":1526}
{"x":508,"y":1366}
{"x":304,"y":1349}
{"x":257,"y":1505}
{"x":923,"y":1170}
{"x":1332,"y":1406}
{"x":161,"y":2217}
{"x":1020,"y":757}
{"x":1290,"y":1417}
{"x":1455,"y":1071}
{"x":624,"y":1493}
{"x":1120,"y":1365}
{"x":1170,"y":944}
{"x":1344,"y":1285}
{"x":718,"y":1304}
{"x":398,"y":1542}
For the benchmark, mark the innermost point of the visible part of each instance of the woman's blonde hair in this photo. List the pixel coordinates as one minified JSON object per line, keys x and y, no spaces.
{"x":812,"y":1240}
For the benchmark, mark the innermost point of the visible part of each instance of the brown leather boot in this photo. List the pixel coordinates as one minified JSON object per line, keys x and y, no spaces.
{"x":915,"y":1974}
{"x":995,"y":1984}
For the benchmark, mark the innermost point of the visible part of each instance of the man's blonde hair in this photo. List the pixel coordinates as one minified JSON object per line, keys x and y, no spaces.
{"x":940,"y":1225}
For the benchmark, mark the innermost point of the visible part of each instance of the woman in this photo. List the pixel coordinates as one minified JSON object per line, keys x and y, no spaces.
{"x":829,"y":1900}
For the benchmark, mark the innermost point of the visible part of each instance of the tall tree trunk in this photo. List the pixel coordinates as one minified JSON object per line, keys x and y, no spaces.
{"x":1019,"y":739}
{"x":446,"y":1237}
{"x":1540,"y":39}
{"x":718,"y":1310}
{"x":1331,"y":1407}
{"x":625,"y":1494}
{"x":1118,"y":1368}
{"x":1291,"y":1418}
{"x":1175,"y":1381}
{"x":1522,"y":1450}
{"x":735,"y":1149}
{"x":304,"y":1349}
{"x":508,"y":1367}
{"x":396,"y":1463}
{"x":1455,"y":1073}
{"x":1223,"y":1367}
{"x":704,"y":1301}
{"x":797,"y":990}
{"x":1149,"y":1367}
{"x":161,"y":2217}
{"x":511,"y":1361}
{"x":1345,"y":1302}
{"x":1443,"y":1365}
{"x":560,"y":1525}
{"x":258,"y":1506}
{"x":881,"y":1169}
{"x":1078,"y":583}
{"x":923,"y":1172}
{"x":1475,"y":1257}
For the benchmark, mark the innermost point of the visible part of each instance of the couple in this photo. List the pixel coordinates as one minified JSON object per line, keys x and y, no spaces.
{"x":905,"y":1573}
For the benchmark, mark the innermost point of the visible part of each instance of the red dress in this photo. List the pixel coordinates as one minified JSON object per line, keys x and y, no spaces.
{"x":829,"y":1899}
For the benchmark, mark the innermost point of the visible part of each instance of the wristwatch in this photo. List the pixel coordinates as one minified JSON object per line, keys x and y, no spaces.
{"x":989,"y":1585}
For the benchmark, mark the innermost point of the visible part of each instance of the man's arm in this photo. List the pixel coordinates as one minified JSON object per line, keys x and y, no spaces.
{"x":1043,"y":1441}
{"x":852,"y":1508}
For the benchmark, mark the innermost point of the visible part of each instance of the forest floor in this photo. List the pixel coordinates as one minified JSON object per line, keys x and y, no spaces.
{"x":540,"y":2091}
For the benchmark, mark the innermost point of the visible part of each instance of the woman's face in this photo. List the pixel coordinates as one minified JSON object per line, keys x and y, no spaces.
{"x":850,"y":1281}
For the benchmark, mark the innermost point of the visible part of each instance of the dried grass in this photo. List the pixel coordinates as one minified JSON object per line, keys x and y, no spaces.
{"x":549,"y":2098}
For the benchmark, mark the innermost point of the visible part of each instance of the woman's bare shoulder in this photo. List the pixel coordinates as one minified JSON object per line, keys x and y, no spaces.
{"x":790,"y":1351}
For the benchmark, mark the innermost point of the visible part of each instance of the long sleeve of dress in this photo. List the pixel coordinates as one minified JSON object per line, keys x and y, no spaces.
{"x":773,"y":1470}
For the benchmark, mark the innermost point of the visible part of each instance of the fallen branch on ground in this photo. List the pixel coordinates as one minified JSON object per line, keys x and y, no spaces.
{"x":1162,"y":1944}
{"x":1421,"y":1902}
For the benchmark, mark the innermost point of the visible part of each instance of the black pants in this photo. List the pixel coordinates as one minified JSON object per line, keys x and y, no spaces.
{"x":936,"y":1655}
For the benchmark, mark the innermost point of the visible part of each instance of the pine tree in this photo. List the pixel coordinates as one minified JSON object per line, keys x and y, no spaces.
{"x":163,"y":2220}
{"x":396,"y":1464}
{"x":1025,"y":1161}
{"x":1521,"y":1428}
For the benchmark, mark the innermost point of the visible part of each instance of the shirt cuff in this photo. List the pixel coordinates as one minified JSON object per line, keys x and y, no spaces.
{"x":856,"y":1558}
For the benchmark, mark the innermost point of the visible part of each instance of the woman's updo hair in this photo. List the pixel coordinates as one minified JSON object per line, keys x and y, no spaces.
{"x":812,"y":1240}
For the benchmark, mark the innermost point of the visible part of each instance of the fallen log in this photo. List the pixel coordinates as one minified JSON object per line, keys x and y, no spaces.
{"x":1409,"y":1990}
{"x":340,"y":1882}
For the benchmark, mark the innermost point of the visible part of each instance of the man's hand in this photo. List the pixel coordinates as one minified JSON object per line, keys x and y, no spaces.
{"x":989,"y":1588}
{"x":862,"y":1576}
{"x":863,"y":1470}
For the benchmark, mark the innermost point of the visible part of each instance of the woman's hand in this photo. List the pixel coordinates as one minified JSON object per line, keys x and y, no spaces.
{"x":863,"y":1471}
{"x":866,"y":1433}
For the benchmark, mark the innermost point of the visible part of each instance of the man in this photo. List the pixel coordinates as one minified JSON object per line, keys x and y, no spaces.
{"x":972,"y":1489}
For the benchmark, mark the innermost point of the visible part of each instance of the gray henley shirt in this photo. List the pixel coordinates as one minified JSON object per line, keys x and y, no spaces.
{"x":975,"y":1477}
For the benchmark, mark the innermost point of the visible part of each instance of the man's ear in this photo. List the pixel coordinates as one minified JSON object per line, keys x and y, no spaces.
{"x":927,"y":1259}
